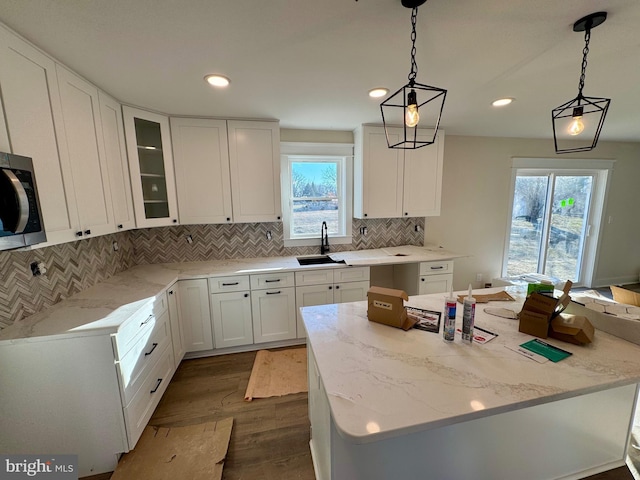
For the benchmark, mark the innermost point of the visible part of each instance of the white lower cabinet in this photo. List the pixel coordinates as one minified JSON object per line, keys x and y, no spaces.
{"x":232,"y":321}
{"x":424,"y":277}
{"x":177,"y":330}
{"x":195,"y":315}
{"x":101,"y":389}
{"x":323,"y":287}
{"x":274,"y":314}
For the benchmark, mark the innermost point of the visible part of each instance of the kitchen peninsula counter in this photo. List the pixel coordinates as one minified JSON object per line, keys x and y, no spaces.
{"x":104,"y":307}
{"x":385,"y":403}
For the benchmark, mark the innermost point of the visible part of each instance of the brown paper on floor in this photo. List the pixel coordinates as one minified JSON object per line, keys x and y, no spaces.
{"x":501,"y":296}
{"x":196,"y":452}
{"x":278,"y":373}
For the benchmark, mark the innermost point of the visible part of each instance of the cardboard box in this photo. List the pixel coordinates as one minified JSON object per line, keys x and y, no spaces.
{"x":538,"y":311}
{"x":620,"y":327}
{"x":386,"y":306}
{"x":576,"y":329}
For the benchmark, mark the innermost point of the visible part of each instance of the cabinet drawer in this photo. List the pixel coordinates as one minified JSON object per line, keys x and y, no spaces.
{"x":145,"y":352}
{"x":142,"y":321}
{"x":143,"y":403}
{"x":272,"y":280}
{"x":436,"y":268}
{"x":314,"y":277}
{"x":228,"y":284}
{"x":350,"y":274}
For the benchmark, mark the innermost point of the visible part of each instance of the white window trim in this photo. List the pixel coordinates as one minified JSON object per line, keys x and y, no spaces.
{"x":601,"y":169}
{"x":344,"y":150}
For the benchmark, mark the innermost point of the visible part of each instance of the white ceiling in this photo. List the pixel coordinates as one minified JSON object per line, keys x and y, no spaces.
{"x":310,"y":63}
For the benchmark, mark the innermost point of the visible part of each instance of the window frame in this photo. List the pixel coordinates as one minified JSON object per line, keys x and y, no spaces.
{"x":342,"y":153}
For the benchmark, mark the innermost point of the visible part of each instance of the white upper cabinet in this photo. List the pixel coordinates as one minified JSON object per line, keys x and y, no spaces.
{"x":85,"y":148}
{"x":117,"y":165}
{"x":201,"y":159}
{"x":226,"y":170}
{"x":254,"y":155}
{"x":394,"y":183}
{"x":151,"y":167}
{"x":26,"y":79}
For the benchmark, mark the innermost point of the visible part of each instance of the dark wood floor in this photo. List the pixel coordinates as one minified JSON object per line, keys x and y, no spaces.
{"x":270,"y":437}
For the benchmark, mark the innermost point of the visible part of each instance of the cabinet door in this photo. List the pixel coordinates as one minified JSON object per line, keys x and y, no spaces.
{"x":350,"y":292}
{"x":85,"y":147}
{"x":254,"y":155}
{"x":195,"y":315}
{"x":32,"y":111}
{"x":151,"y":166}
{"x":435,"y":284}
{"x":115,"y":151}
{"x":177,"y":331}
{"x":201,"y":158}
{"x":231,"y":315}
{"x":308,"y":296}
{"x":378,"y":175}
{"x":274,"y":314}
{"x":423,"y":178}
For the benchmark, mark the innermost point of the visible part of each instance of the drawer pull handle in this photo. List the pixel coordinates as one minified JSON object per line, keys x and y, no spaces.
{"x":230,"y":284}
{"x":274,"y":293}
{"x":151,"y":351}
{"x":437,"y":268}
{"x":272,"y":281}
{"x":147,"y":320}
{"x":157,"y":386}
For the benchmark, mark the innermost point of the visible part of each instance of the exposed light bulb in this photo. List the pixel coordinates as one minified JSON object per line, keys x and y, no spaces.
{"x":576,"y":127}
{"x":411,"y":116}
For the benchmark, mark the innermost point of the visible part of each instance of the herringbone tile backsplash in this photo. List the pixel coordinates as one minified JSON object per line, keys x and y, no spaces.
{"x":76,"y":266}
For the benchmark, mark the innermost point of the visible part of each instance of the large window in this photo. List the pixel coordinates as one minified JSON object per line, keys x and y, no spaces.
{"x":555,"y":218}
{"x":316,"y":182}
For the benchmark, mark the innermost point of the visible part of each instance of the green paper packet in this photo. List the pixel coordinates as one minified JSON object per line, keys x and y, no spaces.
{"x":545,"y":349}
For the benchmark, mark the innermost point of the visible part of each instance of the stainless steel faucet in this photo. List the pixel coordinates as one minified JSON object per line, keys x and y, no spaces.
{"x":324,"y":239}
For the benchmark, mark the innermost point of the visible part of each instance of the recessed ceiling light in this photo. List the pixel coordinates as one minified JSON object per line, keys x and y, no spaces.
{"x":217,"y":80}
{"x":378,"y":92}
{"x":501,"y":102}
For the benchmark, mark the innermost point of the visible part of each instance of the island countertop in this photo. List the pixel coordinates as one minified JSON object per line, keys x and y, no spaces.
{"x":382,"y":382}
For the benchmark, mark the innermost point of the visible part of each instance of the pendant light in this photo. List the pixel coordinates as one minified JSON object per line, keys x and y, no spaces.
{"x":582,"y":118}
{"x":414,"y":104}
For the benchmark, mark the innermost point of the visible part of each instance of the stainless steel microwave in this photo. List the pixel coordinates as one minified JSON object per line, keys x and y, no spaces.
{"x":21,"y":221}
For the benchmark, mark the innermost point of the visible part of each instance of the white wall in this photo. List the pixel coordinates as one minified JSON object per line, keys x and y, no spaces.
{"x":475,"y":206}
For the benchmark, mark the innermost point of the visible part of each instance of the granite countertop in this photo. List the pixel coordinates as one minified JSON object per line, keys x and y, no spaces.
{"x":382,"y":382}
{"x":104,"y":307}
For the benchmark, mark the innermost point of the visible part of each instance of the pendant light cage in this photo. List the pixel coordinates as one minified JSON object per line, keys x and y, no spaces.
{"x":577,"y":123}
{"x":430,"y":103}
{"x":413,"y":104}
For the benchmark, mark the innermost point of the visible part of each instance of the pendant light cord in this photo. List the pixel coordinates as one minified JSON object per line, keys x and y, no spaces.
{"x":585,"y":52}
{"x":414,"y":66}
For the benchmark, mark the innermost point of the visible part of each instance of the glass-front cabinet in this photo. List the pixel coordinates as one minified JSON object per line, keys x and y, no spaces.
{"x":151,"y":164}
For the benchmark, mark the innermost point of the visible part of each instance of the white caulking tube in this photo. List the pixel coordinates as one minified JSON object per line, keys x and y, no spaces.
{"x":468,"y":317}
{"x":449,"y":328}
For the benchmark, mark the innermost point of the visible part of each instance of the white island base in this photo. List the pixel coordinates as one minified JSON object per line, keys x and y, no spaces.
{"x":566,"y":439}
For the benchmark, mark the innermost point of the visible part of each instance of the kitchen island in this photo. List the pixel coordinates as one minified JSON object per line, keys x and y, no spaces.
{"x":385,"y":403}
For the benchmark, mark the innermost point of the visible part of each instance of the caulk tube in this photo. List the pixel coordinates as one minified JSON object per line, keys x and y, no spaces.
{"x":468,"y":317}
{"x":449,"y":328}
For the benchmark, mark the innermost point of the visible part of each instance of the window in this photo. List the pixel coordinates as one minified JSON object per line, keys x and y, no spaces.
{"x":316,"y":188}
{"x":555,"y":219}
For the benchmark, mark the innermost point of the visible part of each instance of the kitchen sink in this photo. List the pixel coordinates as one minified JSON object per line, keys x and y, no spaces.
{"x":317,"y":260}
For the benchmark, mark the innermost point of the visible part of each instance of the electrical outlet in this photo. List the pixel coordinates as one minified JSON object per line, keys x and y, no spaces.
{"x":363,"y":230}
{"x":479,"y":277}
{"x":417,"y":228}
{"x":189,"y":239}
{"x":269,"y":235}
{"x":116,"y":247}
